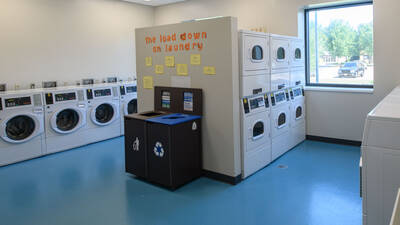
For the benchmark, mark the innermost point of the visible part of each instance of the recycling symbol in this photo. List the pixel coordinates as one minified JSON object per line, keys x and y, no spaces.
{"x":159,"y":150}
{"x":135,"y":145}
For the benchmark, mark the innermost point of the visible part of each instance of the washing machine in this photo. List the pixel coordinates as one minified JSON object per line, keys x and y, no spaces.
{"x":254,"y":62}
{"x":297,"y":116}
{"x":297,"y":76}
{"x":21,"y":126}
{"x":128,"y":101}
{"x":280,"y":123}
{"x":255,"y":134}
{"x":297,"y":52}
{"x":65,"y":118}
{"x":103,"y":113}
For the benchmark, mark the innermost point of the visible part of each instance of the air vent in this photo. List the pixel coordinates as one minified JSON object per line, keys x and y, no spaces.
{"x":37,"y":100}
{"x":81,"y":96}
{"x":115,"y":91}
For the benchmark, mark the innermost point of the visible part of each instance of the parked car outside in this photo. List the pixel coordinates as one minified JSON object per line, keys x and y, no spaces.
{"x":353,"y":69}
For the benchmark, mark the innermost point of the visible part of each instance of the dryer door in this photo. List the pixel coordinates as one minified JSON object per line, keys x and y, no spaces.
{"x":104,"y":113}
{"x":280,"y":54}
{"x":130,"y":107}
{"x":67,"y":120}
{"x":297,"y":53}
{"x":255,"y":53}
{"x":20,"y":128}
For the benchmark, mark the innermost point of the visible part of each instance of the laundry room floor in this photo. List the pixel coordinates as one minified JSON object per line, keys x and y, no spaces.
{"x":318,"y":185}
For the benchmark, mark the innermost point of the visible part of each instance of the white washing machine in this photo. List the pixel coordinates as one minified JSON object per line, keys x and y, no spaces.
{"x":65,"y":118}
{"x":255,"y":133}
{"x":297,"y":52}
{"x":280,"y":123}
{"x":254,"y":57}
{"x":21,"y":126}
{"x":297,"y":116}
{"x":280,"y":51}
{"x":103,"y":112}
{"x":297,"y":76}
{"x":128,"y":100}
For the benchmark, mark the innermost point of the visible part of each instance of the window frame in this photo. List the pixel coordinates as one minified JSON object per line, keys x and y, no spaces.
{"x":307,"y":51}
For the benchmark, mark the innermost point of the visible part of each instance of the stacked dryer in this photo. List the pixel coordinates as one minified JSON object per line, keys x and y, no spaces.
{"x":297,"y":62}
{"x":254,"y":83}
{"x":280,"y":62}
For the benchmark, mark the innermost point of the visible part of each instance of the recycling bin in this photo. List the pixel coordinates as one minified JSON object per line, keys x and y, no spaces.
{"x":174,"y":149}
{"x":135,"y":142}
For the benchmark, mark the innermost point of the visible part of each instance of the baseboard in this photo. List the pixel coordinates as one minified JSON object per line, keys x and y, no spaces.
{"x":222,"y":177}
{"x":334,"y":140}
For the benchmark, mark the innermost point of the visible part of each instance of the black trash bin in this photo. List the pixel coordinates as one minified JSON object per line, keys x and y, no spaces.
{"x":174,"y":149}
{"x":136,"y":142}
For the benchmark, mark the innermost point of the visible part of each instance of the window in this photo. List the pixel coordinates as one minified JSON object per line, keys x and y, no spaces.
{"x":339,"y":44}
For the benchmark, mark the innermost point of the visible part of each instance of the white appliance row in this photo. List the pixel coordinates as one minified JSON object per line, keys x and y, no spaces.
{"x":271,"y":124}
{"x":269,"y":62}
{"x":380,"y":152}
{"x":44,"y":121}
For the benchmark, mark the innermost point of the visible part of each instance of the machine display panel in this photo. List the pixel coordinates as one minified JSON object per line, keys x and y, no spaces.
{"x":131,"y":89}
{"x":65,"y":97}
{"x":102,"y":92}
{"x":257,"y":103}
{"x":15,"y":102}
{"x":279,"y":97}
{"x":297,"y":92}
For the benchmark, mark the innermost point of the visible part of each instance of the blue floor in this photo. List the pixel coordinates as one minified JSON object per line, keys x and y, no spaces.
{"x":320,"y":186}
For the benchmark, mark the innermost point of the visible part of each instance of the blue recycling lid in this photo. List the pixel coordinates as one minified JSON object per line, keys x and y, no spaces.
{"x":173,"y":119}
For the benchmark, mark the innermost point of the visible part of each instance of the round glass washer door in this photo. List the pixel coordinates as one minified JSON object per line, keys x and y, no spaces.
{"x":131,"y":107}
{"x":104,"y":114}
{"x":19,"y":128}
{"x":67,"y":120}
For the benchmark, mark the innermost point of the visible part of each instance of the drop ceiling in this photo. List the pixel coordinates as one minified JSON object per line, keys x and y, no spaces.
{"x":154,"y":2}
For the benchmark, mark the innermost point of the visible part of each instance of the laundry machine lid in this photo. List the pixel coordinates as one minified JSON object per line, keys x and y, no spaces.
{"x":104,"y":113}
{"x":20,"y":128}
{"x":67,"y":120}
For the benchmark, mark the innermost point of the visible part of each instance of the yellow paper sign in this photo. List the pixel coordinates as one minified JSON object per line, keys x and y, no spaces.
{"x":149,"y":61}
{"x":209,"y":70}
{"x":148,"y":82}
{"x":170,"y":61}
{"x":159,"y":69}
{"x":195,"y":59}
{"x":182,"y":69}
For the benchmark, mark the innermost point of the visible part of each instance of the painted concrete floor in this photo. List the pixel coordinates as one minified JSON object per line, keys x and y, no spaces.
{"x":88,"y":186}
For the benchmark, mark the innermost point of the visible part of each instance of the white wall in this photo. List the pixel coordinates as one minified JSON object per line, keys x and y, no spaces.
{"x":330,"y":114}
{"x":67,"y":40}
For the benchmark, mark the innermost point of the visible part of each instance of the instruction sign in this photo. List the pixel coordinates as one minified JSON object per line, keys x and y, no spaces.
{"x":182,"y":69}
{"x":188,"y":101}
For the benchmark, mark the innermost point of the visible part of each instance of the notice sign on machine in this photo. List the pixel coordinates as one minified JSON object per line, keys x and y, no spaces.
{"x":166,"y":99}
{"x":188,"y":101}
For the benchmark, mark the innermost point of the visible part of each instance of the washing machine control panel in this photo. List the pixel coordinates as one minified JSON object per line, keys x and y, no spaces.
{"x":102,"y":92}
{"x":89,"y":94}
{"x":62,"y":97}
{"x":279,"y":97}
{"x":15,"y":102}
{"x":122,"y":90}
{"x":297,"y":92}
{"x":49,"y":98}
{"x":255,"y":103}
{"x":131,"y":89}
{"x":287,"y":95}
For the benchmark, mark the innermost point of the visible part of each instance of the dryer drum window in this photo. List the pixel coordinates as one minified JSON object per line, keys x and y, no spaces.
{"x":297,"y":53}
{"x":20,"y":127}
{"x":132,"y":106}
{"x":67,"y":119}
{"x":281,"y":119}
{"x":280,"y":54}
{"x":104,"y":113}
{"x":299,"y":112}
{"x":258,"y":129}
{"x":257,"y":53}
